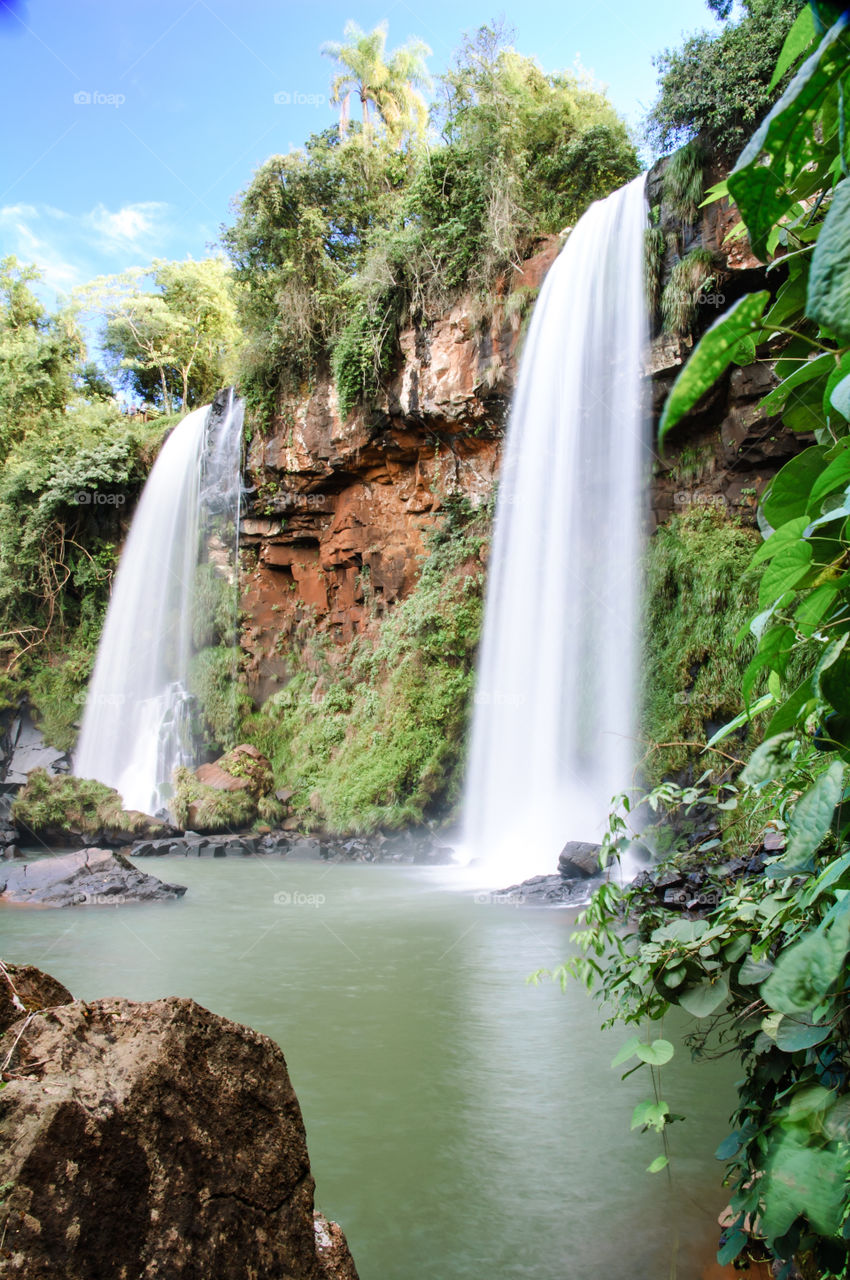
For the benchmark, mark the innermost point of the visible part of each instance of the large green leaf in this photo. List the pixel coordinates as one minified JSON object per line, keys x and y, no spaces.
{"x":829,"y":279}
{"x":796,"y":43}
{"x":761,"y":184}
{"x":712,"y":356}
{"x":774,"y":651}
{"x":794,"y":1034}
{"x":833,"y":477}
{"x":806,"y":970}
{"x":787,"y":496}
{"x":656,"y":1054}
{"x":784,"y":572}
{"x":790,"y":532}
{"x":769,"y":760}
{"x":820,"y":366}
{"x":813,"y":816}
{"x":702,"y":999}
{"x":803,"y":1180}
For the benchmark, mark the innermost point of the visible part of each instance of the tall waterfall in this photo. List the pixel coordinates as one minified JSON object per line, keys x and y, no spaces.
{"x":554,"y":718}
{"x":137,"y":724}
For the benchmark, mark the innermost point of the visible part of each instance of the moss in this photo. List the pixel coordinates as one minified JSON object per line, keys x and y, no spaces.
{"x":682,"y":182}
{"x":654,"y":251}
{"x":690,"y":277}
{"x":48,"y":805}
{"x":203,"y":808}
{"x":700,"y":593}
{"x":379,"y":742}
{"x":221,"y":700}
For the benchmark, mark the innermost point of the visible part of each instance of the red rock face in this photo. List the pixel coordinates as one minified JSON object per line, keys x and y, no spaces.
{"x":339,"y":524}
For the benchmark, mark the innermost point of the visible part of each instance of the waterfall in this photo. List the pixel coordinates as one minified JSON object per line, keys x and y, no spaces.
{"x":554,"y":718}
{"x":137,"y":726}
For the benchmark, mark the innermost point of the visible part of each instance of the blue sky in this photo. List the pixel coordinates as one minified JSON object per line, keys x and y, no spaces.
{"x":129,"y":127}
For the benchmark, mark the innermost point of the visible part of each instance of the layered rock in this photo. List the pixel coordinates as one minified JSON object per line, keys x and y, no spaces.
{"x":156,"y":1141}
{"x":337,"y":525}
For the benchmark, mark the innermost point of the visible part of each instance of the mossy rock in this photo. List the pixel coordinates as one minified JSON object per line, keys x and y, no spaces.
{"x":197,"y":806}
{"x":66,"y":810}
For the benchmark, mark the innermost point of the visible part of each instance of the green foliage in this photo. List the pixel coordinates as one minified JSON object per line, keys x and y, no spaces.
{"x":336,"y":245}
{"x":172,"y":346}
{"x":719,"y":347}
{"x":199,"y":807}
{"x":389,"y":85}
{"x":718,"y":87}
{"x":382,"y":744}
{"x":682,"y":181}
{"x":766,"y":974}
{"x":52,"y":805}
{"x":221,"y":700}
{"x":691,"y":276}
{"x":698,"y":597}
{"x":654,"y":251}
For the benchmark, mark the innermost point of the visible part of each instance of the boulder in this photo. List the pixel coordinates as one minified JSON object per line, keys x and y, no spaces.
{"x":155,"y":1141}
{"x":25,"y":989}
{"x":579,"y":858}
{"x":87,"y":877}
{"x":332,"y":1250}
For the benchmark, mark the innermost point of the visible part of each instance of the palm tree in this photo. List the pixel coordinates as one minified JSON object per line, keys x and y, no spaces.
{"x":391,"y":85}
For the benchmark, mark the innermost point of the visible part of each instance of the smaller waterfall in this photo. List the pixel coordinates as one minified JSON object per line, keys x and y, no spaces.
{"x":137,"y":726}
{"x":553,"y":727}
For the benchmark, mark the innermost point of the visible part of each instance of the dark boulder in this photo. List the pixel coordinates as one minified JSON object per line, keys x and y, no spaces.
{"x":158,"y":1141}
{"x":87,"y":877}
{"x":578,"y":858}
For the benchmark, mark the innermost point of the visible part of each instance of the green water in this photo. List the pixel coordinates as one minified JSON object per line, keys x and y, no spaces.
{"x":462,"y":1124}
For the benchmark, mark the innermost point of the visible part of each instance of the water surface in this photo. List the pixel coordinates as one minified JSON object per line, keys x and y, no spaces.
{"x":462,"y":1124}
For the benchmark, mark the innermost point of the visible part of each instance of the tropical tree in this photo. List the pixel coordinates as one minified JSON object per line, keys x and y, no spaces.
{"x":391,"y":84}
{"x":38,"y":354}
{"x":171,"y":345}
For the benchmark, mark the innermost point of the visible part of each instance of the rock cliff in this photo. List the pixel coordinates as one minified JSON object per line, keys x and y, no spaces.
{"x":335,"y":525}
{"x":336,"y":521}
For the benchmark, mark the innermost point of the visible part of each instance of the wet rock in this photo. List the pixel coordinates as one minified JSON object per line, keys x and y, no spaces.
{"x":25,"y":989}
{"x":578,"y":858}
{"x":156,"y":1140}
{"x":11,"y":851}
{"x":22,"y":749}
{"x":541,"y":891}
{"x":87,"y":877}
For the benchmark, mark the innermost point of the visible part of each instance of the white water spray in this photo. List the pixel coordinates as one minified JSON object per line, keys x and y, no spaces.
{"x":554,"y":720}
{"x":137,"y":723}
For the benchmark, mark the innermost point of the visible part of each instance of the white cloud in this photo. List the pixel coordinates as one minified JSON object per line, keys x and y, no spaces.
{"x":129,"y":227}
{"x":70,"y":249}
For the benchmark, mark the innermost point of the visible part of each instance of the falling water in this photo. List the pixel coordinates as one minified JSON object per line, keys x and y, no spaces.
{"x":554,"y":719}
{"x":137,"y":726}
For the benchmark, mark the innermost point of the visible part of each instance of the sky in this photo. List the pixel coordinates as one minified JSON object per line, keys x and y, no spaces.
{"x":129,"y":127}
